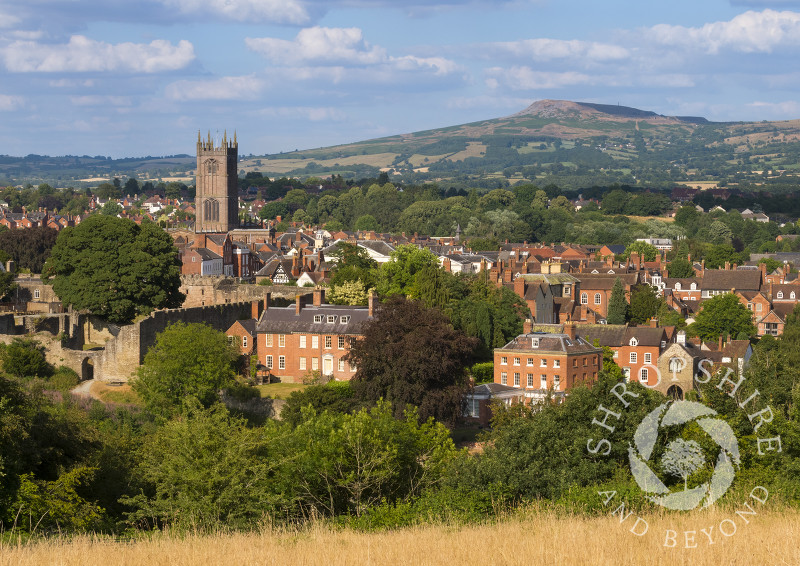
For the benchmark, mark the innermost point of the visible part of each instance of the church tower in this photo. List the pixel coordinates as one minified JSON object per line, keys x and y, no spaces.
{"x":217,"y":198}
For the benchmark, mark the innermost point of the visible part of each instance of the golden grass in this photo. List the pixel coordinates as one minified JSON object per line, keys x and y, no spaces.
{"x":541,"y":538}
{"x":122,"y":394}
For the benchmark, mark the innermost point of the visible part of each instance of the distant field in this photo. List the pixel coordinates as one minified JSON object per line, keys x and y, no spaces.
{"x":120,"y":394}
{"x":541,"y":538}
{"x":284,"y":165}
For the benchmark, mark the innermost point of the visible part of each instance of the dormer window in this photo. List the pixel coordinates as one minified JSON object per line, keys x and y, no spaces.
{"x":677,"y":286}
{"x":535,"y":342}
{"x":791,"y":295}
{"x":693,"y":286}
{"x":634,"y":342}
{"x":331,"y":319}
{"x":317,"y":318}
{"x":780,"y":294}
{"x":344,"y":319}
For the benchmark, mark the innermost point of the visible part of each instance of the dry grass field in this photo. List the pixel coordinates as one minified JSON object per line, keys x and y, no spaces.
{"x":536,"y":538}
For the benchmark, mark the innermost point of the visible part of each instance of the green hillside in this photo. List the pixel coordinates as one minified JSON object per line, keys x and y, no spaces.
{"x":569,"y":144}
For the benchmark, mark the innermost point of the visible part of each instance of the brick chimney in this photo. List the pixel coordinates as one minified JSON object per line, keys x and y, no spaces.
{"x":319,"y":296}
{"x":371,"y":300}
{"x":527,"y":326}
{"x":266,"y":300}
{"x":519,"y":287}
{"x":654,"y":322}
{"x":298,"y":304}
{"x":569,"y":330}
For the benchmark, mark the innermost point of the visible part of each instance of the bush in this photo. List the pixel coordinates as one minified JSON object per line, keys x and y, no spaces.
{"x":64,"y":379}
{"x":483,"y":372}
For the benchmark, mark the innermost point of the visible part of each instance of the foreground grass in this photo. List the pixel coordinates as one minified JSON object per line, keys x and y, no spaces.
{"x":530,"y":538}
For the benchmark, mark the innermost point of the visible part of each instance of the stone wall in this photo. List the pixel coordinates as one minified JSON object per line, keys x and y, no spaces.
{"x":220,"y":290}
{"x":123,"y":354}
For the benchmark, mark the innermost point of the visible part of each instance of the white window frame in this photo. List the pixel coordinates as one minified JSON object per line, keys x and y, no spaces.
{"x":648,"y":358}
{"x":268,"y":340}
{"x":328,"y":342}
{"x":303,"y":364}
{"x":244,"y":342}
{"x":317,"y":318}
{"x":268,"y":362}
{"x":516,"y":379}
{"x":341,"y":364}
{"x":503,"y":378}
{"x":314,"y":363}
{"x":281,"y":340}
{"x":341,"y":342}
{"x":281,"y":362}
{"x":543,"y":382}
{"x":315,"y":342}
{"x":302,"y":340}
{"x":543,"y":363}
{"x":633,"y":358}
{"x":584,"y":298}
{"x":516,"y":361}
{"x":643,"y":375}
{"x":598,"y":299}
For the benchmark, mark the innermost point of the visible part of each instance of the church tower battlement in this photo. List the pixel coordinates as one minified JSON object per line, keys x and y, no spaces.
{"x":217,"y":198}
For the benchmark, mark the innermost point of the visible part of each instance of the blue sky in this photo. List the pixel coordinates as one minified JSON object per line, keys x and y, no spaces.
{"x":133,"y":78}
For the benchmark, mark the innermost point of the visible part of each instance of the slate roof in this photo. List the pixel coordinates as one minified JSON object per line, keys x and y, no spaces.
{"x":285,"y":320}
{"x":605,"y":280}
{"x":550,"y":343}
{"x":725,"y":280}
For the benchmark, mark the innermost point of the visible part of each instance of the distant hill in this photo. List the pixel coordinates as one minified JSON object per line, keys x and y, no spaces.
{"x":571,"y":144}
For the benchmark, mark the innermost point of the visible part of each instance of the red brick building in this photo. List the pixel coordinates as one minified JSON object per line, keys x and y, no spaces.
{"x":292,"y":342}
{"x":538,"y":362}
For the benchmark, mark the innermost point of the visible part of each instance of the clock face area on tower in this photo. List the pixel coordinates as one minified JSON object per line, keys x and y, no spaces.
{"x":217,"y":199}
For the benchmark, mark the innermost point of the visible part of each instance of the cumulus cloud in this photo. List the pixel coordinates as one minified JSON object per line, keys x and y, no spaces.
{"x":336,"y":50}
{"x":525,"y":78}
{"x":224,"y":88}
{"x":277,"y":11}
{"x":319,"y":45}
{"x":544,"y":49}
{"x":82,"y":54}
{"x":751,"y":32}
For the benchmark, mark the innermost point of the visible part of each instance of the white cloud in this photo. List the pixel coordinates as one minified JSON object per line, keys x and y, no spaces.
{"x":751,"y":32}
{"x":224,"y":88}
{"x":319,"y":45}
{"x":277,"y":11}
{"x":525,"y":78}
{"x":82,"y":54}
{"x":8,"y":21}
{"x":487,"y":101}
{"x":544,"y":49}
{"x":8,"y":103}
{"x":786,"y":108}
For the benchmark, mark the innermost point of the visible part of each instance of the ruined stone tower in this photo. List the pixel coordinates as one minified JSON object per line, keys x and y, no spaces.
{"x":217,"y":199}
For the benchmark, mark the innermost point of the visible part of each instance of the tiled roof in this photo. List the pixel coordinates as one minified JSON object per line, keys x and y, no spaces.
{"x":285,"y":320}
{"x":550,"y":343}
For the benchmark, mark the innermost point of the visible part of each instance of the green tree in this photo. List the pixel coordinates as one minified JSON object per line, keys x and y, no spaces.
{"x":187,"y":361}
{"x":723,"y":315}
{"x":398,"y":275}
{"x":412,"y":355}
{"x":115,"y":268}
{"x":207,"y":471}
{"x":644,"y":304}
{"x":111,"y":208}
{"x":617,"y":305}
{"x":647,"y":252}
{"x":24,"y":357}
{"x":680,"y":267}
{"x":349,"y":463}
{"x":29,"y":247}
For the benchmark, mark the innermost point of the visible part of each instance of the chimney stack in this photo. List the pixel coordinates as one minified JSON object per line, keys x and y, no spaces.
{"x":371,"y":302}
{"x":319,"y":296}
{"x":298,"y":304}
{"x":569,"y":330}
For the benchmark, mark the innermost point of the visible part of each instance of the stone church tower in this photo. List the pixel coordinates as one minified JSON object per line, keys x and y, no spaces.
{"x":217,"y":198}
